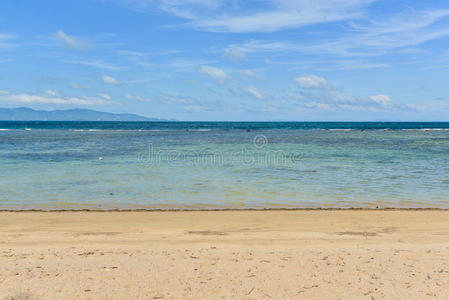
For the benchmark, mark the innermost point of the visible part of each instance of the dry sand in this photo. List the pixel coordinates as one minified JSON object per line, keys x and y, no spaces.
{"x":225,"y":255}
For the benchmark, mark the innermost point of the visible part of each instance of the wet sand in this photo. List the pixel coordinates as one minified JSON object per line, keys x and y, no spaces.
{"x":358,"y":254}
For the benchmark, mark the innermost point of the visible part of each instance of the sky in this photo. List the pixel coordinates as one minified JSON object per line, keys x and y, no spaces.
{"x":236,"y":60}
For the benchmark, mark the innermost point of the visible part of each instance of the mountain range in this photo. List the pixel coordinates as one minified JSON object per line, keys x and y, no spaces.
{"x":28,"y":114}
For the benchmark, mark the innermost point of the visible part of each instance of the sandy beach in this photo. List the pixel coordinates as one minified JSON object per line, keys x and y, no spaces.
{"x":327,"y":254}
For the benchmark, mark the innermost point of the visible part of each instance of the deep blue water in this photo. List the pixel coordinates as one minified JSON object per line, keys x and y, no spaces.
{"x":220,"y":125}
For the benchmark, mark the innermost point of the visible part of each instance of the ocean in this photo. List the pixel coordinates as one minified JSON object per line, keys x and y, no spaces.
{"x":220,"y":165}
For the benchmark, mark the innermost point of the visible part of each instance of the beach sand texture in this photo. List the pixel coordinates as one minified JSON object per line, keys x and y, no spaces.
{"x":303,"y":254}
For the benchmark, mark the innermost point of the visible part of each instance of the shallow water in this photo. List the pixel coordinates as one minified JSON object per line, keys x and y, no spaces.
{"x":105,"y":165}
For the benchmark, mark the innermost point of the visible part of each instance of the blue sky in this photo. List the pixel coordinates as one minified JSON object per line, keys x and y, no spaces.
{"x":297,"y":60}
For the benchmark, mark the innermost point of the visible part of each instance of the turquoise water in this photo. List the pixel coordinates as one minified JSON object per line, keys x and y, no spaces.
{"x":107,"y":165}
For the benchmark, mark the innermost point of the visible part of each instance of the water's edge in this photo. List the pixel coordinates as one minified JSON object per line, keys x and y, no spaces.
{"x":228,"y":209}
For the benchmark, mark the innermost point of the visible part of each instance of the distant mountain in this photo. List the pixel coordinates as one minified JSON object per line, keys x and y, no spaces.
{"x":28,"y":114}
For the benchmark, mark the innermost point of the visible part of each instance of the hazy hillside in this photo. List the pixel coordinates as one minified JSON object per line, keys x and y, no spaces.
{"x":28,"y":114}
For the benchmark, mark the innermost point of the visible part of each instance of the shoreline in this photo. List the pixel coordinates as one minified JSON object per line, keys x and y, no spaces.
{"x":228,"y":209}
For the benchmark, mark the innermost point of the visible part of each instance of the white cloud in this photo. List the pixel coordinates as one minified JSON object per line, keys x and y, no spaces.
{"x":104,"y":95}
{"x":334,"y":99}
{"x":143,"y":58}
{"x":365,"y":38}
{"x":52,"y":93}
{"x":271,"y":21}
{"x":319,"y":106}
{"x":137,"y":58}
{"x":187,"y":64}
{"x":244,"y":16}
{"x":409,"y":28}
{"x":260,"y":46}
{"x":412,"y":51}
{"x":142,"y":54}
{"x":5,"y":40}
{"x":29,"y":99}
{"x":236,"y":54}
{"x":330,"y":64}
{"x":359,"y":65}
{"x":170,"y":97}
{"x":131,"y":53}
{"x":134,"y":97}
{"x":7,"y":36}
{"x":361,"y":36}
{"x":177,"y":100}
{"x":255,"y":92}
{"x":143,"y":80}
{"x":70,"y":41}
{"x":110,"y":80}
{"x":195,"y":108}
{"x":239,"y":52}
{"x":381,"y":99}
{"x":417,"y":107}
{"x":2,"y":92}
{"x":311,"y":82}
{"x":272,"y":15}
{"x":78,"y":86}
{"x":249,"y":73}
{"x":218,"y":74}
{"x":95,"y":63}
{"x":318,"y":95}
